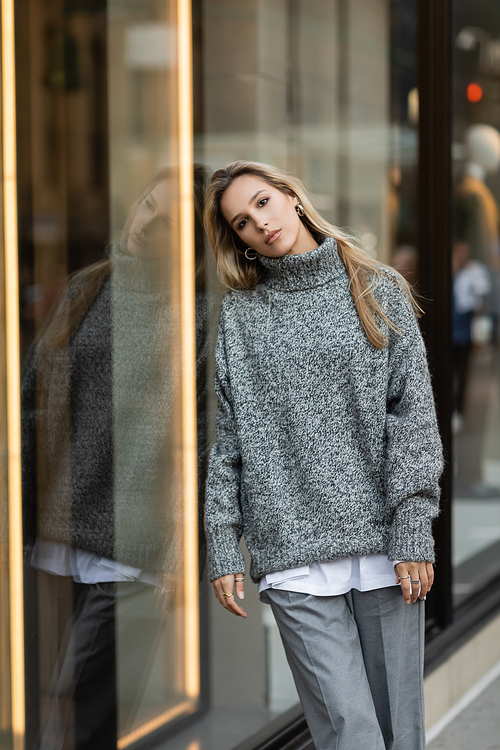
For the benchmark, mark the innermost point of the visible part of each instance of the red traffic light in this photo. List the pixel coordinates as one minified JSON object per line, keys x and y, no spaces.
{"x":474,"y":92}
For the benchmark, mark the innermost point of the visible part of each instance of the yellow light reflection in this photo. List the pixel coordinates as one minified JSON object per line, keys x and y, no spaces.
{"x":187,"y":270}
{"x":180,"y":709}
{"x":13,"y":373}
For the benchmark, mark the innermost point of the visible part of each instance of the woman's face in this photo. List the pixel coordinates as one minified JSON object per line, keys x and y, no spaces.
{"x":264,"y":217}
{"x":149,"y":231}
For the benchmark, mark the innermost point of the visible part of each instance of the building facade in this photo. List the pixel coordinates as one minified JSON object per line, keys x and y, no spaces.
{"x":114,"y":114}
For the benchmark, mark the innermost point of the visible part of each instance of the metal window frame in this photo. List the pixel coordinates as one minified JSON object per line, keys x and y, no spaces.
{"x":434,"y":225}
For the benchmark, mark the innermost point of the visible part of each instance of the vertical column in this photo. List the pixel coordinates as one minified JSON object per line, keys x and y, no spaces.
{"x":434,"y":84}
{"x":187,"y":275}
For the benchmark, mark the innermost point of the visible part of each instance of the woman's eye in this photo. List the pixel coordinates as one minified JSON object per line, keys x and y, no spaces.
{"x":242,"y":223}
{"x":263,"y":201}
{"x":149,"y":204}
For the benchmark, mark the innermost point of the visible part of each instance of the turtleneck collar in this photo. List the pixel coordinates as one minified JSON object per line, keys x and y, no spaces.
{"x":139,"y":274}
{"x":305,"y":270}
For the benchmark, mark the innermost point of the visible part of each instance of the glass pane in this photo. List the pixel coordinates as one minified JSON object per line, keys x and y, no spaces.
{"x":112,"y":336}
{"x":109,"y":460}
{"x":343,"y":117}
{"x":326,"y":90}
{"x":476,"y":298}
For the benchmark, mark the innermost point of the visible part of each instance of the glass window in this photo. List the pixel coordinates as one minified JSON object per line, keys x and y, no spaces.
{"x":476,"y":297}
{"x":124,"y":110}
{"x":327,"y":91}
{"x":109,"y":338}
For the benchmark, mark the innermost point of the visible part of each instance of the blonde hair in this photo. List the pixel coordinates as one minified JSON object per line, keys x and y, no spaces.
{"x":236,"y":272}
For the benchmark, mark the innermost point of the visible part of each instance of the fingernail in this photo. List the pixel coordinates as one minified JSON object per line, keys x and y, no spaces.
{"x":241,"y":594}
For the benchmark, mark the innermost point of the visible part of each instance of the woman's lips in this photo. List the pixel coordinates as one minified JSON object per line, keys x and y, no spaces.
{"x":138,"y":240}
{"x":273,"y":237}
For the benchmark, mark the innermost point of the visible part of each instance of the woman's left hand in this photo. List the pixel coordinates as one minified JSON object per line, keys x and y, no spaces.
{"x":416,"y":579}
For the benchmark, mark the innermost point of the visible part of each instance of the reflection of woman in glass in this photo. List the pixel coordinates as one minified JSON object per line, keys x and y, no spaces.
{"x":100,"y":494}
{"x":327,"y":457}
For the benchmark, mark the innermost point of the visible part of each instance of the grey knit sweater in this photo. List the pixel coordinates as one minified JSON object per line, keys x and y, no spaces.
{"x":326,"y":447}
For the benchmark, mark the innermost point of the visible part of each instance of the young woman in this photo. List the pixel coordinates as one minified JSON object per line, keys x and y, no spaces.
{"x":327,"y":458}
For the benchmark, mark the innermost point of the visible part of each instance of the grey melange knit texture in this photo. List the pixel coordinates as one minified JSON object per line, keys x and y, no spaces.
{"x":326,"y":446}
{"x":99,"y":425}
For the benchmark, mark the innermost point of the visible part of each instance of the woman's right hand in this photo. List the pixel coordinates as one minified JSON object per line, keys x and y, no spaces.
{"x":226,"y":585}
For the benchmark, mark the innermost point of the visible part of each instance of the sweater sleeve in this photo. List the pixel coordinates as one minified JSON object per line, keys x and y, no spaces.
{"x":414,"y":460}
{"x":223,"y":517}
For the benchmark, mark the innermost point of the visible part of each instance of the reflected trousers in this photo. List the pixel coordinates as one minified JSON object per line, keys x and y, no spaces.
{"x":102,"y":664}
{"x":357,"y":661}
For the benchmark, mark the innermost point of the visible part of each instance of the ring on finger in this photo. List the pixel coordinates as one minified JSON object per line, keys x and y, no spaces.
{"x":239,"y":579}
{"x":228,"y":595}
{"x":417,"y":581}
{"x":403,"y":578}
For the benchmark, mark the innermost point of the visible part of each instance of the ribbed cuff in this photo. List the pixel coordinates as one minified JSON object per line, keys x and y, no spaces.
{"x":411,"y":533}
{"x":224,"y":555}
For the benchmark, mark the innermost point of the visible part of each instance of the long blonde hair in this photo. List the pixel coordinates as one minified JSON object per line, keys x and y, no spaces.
{"x":236,"y":272}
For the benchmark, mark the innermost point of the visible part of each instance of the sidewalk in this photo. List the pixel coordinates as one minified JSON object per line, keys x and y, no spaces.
{"x":477,"y":727}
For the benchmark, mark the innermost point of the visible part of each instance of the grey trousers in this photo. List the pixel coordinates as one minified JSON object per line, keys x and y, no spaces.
{"x":357,"y":662}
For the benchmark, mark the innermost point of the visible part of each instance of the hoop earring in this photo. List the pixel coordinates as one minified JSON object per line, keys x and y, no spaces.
{"x":300,"y":209}
{"x":250,"y":257}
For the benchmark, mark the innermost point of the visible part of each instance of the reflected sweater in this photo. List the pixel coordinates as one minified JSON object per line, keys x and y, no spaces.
{"x":326,"y":446}
{"x":98,"y":421}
